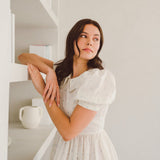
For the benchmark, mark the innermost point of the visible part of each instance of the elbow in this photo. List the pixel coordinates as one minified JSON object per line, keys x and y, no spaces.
{"x":68,"y":137}
{"x":65,"y":139}
{"x":21,"y":57}
{"x":26,"y":58}
{"x":69,"y":134}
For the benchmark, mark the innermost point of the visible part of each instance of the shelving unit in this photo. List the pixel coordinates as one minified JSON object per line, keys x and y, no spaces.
{"x":34,"y":13}
{"x":21,"y":72}
{"x":38,"y":22}
{"x":35,"y":22}
{"x":32,"y":139}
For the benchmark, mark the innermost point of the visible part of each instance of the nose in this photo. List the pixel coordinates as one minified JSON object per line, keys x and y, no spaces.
{"x":89,"y":42}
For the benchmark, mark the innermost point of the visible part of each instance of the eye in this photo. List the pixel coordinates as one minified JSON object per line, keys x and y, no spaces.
{"x":96,"y":39}
{"x":83,"y":36}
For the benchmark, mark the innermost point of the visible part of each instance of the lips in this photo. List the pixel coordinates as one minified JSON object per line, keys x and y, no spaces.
{"x":88,"y":50}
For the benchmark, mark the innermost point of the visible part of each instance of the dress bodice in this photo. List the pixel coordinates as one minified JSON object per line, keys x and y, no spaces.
{"x":70,"y":96}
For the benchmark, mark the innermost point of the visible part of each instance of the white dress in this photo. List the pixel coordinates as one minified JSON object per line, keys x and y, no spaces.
{"x":95,"y":90}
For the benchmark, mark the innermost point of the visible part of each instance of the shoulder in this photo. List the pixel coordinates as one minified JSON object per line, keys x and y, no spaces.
{"x":95,"y":78}
{"x":100,"y":74}
{"x":98,"y":87}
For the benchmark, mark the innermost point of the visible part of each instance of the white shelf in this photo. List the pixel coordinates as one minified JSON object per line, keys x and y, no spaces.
{"x":18,"y":72}
{"x":29,"y":14}
{"x":33,"y":13}
{"x":44,"y":151}
{"x":25,"y":143}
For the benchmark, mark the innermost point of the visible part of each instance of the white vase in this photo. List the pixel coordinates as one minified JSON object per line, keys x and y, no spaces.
{"x":30,"y":116}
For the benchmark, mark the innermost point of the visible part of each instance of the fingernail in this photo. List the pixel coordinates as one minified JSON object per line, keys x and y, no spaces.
{"x":50,"y":105}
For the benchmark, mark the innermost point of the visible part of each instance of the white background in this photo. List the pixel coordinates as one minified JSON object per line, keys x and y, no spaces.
{"x":132,"y":52}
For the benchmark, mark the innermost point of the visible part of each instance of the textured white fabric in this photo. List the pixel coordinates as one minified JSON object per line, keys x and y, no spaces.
{"x":95,"y":90}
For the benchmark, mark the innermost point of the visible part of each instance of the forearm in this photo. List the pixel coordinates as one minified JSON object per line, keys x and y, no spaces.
{"x":60,"y":119}
{"x":26,"y":58}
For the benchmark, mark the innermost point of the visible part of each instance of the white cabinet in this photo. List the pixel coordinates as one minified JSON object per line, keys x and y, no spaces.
{"x":31,"y":22}
{"x":34,"y":22}
{"x":18,"y":72}
{"x":27,"y":144}
{"x":4,"y":80}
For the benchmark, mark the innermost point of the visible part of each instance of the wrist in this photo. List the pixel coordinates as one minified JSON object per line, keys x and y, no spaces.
{"x":49,"y":70}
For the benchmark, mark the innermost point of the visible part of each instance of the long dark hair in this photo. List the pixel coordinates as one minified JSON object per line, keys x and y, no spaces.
{"x":65,"y":66}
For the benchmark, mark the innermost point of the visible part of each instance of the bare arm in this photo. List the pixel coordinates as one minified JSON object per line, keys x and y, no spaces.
{"x":43,"y":64}
{"x":68,"y":127}
{"x":46,"y":66}
{"x":58,"y":117}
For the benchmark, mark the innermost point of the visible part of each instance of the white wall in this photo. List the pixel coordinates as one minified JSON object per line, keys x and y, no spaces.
{"x":27,"y":36}
{"x":4,"y":82}
{"x":24,"y":38}
{"x":21,"y":94}
{"x":131,"y":51}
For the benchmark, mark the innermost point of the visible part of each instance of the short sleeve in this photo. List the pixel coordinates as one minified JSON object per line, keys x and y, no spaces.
{"x":97,"y":90}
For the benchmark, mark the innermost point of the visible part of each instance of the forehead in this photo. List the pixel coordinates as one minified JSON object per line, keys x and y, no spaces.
{"x":91,"y":29}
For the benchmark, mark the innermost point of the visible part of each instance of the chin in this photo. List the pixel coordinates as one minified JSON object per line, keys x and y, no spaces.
{"x":86,"y":56}
{"x":89,"y":58}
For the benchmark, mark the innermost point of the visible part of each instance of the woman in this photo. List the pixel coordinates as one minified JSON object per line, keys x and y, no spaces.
{"x":86,"y":90}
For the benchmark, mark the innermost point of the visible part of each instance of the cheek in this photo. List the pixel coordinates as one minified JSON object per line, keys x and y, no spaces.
{"x":80,"y":42}
{"x":97,"y":47}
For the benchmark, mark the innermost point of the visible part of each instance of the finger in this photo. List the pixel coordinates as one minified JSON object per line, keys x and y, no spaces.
{"x":30,"y":70}
{"x":29,"y":67}
{"x":58,"y":96}
{"x":34,"y":67}
{"x":48,"y":94}
{"x":45,"y":90}
{"x":52,"y":98}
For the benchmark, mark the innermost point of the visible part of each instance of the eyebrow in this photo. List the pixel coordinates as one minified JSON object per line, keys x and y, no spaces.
{"x":94,"y":34}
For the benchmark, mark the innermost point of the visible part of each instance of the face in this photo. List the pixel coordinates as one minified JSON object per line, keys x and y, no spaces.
{"x":88,"y":42}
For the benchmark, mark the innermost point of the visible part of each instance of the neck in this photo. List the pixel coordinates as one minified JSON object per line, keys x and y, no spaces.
{"x":79,"y":66}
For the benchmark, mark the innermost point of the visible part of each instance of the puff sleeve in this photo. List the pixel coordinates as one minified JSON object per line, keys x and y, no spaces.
{"x":97,"y":90}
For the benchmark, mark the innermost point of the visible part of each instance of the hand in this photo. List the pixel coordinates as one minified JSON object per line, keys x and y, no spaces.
{"x":37,"y":79}
{"x":52,"y":89}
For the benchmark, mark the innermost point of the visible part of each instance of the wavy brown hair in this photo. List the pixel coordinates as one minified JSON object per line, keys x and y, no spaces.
{"x":65,"y":66}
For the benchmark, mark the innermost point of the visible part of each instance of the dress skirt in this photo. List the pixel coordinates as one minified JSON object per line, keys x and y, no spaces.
{"x":92,"y":146}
